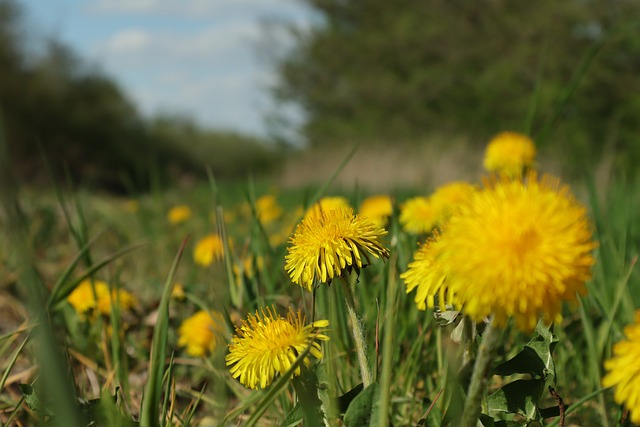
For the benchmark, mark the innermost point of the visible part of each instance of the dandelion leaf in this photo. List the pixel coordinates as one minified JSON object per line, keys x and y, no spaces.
{"x":362,"y":410}
{"x":518,"y":397}
{"x":535,"y":358}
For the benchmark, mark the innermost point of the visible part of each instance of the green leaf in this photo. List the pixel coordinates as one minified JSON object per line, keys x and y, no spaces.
{"x":487,"y":421}
{"x":518,"y":397}
{"x":293,"y":418}
{"x":361,"y":412}
{"x":535,"y":358}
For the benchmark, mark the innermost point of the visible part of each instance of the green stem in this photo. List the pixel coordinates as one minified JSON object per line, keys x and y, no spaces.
{"x":480,"y":375}
{"x":358,"y":335}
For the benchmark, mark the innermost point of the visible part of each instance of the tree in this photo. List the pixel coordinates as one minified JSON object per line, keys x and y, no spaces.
{"x":400,"y":70}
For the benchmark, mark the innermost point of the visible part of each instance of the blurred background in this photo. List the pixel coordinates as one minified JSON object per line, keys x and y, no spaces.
{"x":123,"y":95}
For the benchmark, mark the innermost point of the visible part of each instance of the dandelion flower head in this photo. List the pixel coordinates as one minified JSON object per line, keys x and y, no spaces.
{"x":326,"y":204}
{"x":418,"y":215}
{"x":88,"y":298}
{"x":201,"y":333}
{"x":509,"y":153}
{"x":268,"y":209}
{"x":425,"y":273}
{"x":208,"y":249}
{"x":324,"y":245}
{"x":377,"y":209}
{"x":447,"y":197}
{"x":179,"y":214}
{"x":623,"y":370}
{"x":266,"y":345}
{"x":517,"y":249}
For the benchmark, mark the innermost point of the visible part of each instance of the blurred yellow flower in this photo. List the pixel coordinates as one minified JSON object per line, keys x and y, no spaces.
{"x":177,"y":292}
{"x":509,"y":153}
{"x":132,"y":206}
{"x":87,"y":302}
{"x":179,"y":214}
{"x":208,"y":249}
{"x":325,"y":244}
{"x":516,"y":249}
{"x":623,"y":370}
{"x":425,"y":273}
{"x":326,"y":204}
{"x":266,"y":345}
{"x":418,"y":215}
{"x":377,"y":209}
{"x":201,"y":333}
{"x":245,"y":267}
{"x":268,"y":209}
{"x":447,"y":197}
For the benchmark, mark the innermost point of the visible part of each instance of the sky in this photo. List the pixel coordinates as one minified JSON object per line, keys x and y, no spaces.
{"x":203,"y":58}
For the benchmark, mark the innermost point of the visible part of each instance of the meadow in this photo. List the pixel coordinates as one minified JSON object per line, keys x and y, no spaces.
{"x":101,"y":294}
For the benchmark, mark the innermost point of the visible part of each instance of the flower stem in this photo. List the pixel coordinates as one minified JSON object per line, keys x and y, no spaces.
{"x":358,"y":335}
{"x":480,"y":375}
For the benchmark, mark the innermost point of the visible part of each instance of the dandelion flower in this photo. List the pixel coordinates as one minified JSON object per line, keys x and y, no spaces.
{"x":418,"y":215}
{"x":178,"y":293}
{"x":179,"y":214}
{"x":377,"y":209}
{"x":201,"y":333}
{"x":509,"y":153}
{"x":267,"y":209}
{"x":623,"y":370}
{"x":267,"y":344}
{"x":208,"y":249}
{"x":447,"y":197}
{"x":324,"y":245}
{"x":517,"y":249}
{"x":425,"y":274}
{"x":326,"y":204}
{"x":245,"y":267}
{"x":88,"y":298}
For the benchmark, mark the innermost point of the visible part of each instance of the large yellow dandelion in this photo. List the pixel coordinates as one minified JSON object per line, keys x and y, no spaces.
{"x":418,"y":215}
{"x":208,"y":249}
{"x":179,"y":214}
{"x":517,"y":249}
{"x":509,"y":153}
{"x":377,"y":209}
{"x":267,"y":344}
{"x":201,"y":333}
{"x":324,"y":245}
{"x":623,"y":370}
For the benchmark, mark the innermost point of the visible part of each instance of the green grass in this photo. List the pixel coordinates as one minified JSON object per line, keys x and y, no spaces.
{"x":134,"y":355}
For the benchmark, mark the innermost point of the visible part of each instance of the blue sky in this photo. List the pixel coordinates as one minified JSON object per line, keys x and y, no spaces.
{"x":203,"y":58}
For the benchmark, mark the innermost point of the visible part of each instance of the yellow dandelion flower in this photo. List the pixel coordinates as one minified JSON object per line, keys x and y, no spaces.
{"x":324,"y":245}
{"x":208,"y":249}
{"x":268,"y":209}
{"x":201,"y":333}
{"x":623,"y":370}
{"x":517,"y":249}
{"x":178,"y":293}
{"x":327,"y":204}
{"x":125,"y":300}
{"x":85,"y":301}
{"x":509,"y":153}
{"x":425,"y":273}
{"x":179,"y":214}
{"x":245,"y":266}
{"x":267,"y":344}
{"x":449,"y":196}
{"x":377,"y":209}
{"x":418,"y":215}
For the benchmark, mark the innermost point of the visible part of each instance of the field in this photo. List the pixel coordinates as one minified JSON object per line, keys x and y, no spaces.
{"x":123,"y":357}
